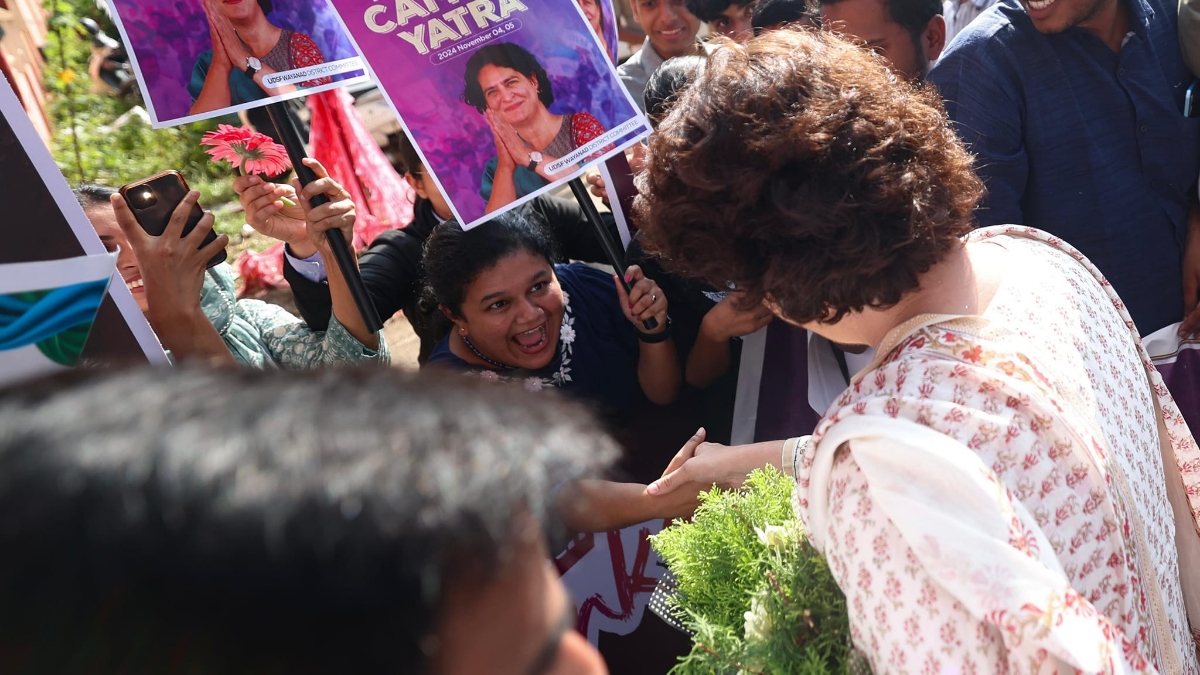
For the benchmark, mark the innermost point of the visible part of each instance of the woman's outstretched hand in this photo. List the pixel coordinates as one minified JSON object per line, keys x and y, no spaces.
{"x":700,"y":465}
{"x":644,"y":301}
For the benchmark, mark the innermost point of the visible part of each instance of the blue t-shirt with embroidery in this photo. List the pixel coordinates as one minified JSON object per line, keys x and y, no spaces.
{"x":604,"y":354}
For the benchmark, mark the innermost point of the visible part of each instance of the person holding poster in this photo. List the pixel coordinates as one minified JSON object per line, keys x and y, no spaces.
{"x":195,"y":311}
{"x":246,"y":48}
{"x":510,"y":88}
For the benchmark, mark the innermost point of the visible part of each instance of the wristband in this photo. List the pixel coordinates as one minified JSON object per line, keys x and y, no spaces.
{"x":655,"y":338}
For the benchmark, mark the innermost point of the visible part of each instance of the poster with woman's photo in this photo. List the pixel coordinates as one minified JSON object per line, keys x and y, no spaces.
{"x":197,"y":59}
{"x":505,"y":99}
{"x":602,"y":17}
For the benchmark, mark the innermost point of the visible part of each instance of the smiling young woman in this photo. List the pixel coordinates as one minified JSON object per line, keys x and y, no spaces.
{"x":517,"y":316}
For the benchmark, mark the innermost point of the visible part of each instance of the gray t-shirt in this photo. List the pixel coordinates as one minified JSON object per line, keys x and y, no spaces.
{"x":636,"y":72}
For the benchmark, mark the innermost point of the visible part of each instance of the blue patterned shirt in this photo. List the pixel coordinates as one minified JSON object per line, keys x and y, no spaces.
{"x":1082,"y":142}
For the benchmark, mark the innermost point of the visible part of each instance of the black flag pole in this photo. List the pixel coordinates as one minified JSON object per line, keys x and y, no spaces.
{"x":343,"y":256}
{"x":615,"y":258}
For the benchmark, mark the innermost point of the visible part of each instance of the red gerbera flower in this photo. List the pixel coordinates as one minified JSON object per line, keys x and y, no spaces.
{"x":249,"y":151}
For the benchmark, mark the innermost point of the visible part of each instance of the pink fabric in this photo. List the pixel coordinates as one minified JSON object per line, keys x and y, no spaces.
{"x":261,"y":270}
{"x":343,"y":145}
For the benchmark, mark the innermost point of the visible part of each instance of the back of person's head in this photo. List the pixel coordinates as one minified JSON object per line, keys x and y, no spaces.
{"x":248,"y":522}
{"x":454,"y":258}
{"x":772,"y":14}
{"x":803,"y":169}
{"x":403,"y":155}
{"x":667,"y":82}
{"x":710,"y":10}
{"x":90,"y":195}
{"x":913,"y":15}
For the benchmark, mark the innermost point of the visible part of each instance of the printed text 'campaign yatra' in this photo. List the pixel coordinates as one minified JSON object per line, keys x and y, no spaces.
{"x":439,"y":24}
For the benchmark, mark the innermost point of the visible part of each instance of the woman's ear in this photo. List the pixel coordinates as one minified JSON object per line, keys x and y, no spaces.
{"x":459,"y":323}
{"x":772,"y":306}
{"x":417,"y":185}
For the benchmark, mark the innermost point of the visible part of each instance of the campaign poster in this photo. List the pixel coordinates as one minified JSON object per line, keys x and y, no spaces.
{"x":197,"y":59}
{"x":602,"y":17}
{"x":504,"y":99}
{"x":44,"y":222}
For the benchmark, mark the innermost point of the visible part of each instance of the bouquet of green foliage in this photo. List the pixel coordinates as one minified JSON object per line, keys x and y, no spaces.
{"x":757,"y":596}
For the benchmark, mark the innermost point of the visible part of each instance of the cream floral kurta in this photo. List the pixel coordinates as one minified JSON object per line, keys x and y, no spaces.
{"x":990,"y":494}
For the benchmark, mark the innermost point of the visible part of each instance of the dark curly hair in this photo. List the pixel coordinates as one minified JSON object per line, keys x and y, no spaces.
{"x":454,"y":258}
{"x":801,"y":168}
{"x":504,"y":55}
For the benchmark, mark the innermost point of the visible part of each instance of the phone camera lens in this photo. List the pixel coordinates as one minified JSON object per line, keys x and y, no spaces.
{"x":143,"y":198}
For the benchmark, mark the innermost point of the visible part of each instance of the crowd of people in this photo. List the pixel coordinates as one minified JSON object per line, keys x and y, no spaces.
{"x":976,"y":209}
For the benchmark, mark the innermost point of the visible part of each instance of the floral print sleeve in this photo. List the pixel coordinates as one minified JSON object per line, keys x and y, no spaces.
{"x":904,"y":620}
{"x":990,"y":493}
{"x":292,"y":344}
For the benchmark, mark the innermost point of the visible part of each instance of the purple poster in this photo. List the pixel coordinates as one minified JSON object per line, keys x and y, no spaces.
{"x":197,"y":59}
{"x":504,"y":99}
{"x":602,"y":17}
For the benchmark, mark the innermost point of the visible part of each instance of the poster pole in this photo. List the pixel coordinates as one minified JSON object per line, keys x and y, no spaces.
{"x":615,"y":258}
{"x":343,"y":256}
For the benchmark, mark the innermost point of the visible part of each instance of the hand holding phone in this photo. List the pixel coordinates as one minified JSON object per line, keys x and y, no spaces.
{"x":153,"y":200}
{"x":172,"y":264}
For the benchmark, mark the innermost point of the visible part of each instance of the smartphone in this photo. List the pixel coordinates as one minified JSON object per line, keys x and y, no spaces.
{"x":154,"y":199}
{"x":1191,"y":100}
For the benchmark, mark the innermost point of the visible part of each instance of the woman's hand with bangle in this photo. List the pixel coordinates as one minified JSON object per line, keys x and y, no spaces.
{"x":644,"y":301}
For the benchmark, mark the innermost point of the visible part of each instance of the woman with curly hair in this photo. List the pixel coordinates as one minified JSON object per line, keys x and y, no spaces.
{"x":1008,"y":486}
{"x":508,"y":86}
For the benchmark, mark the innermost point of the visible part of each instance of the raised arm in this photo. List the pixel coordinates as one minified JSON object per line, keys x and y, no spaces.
{"x":172,"y":268}
{"x":658,"y":363}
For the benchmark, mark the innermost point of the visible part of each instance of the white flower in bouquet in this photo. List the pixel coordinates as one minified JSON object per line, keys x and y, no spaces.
{"x":775,"y":536}
{"x":758,"y":622}
{"x":534,"y":384}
